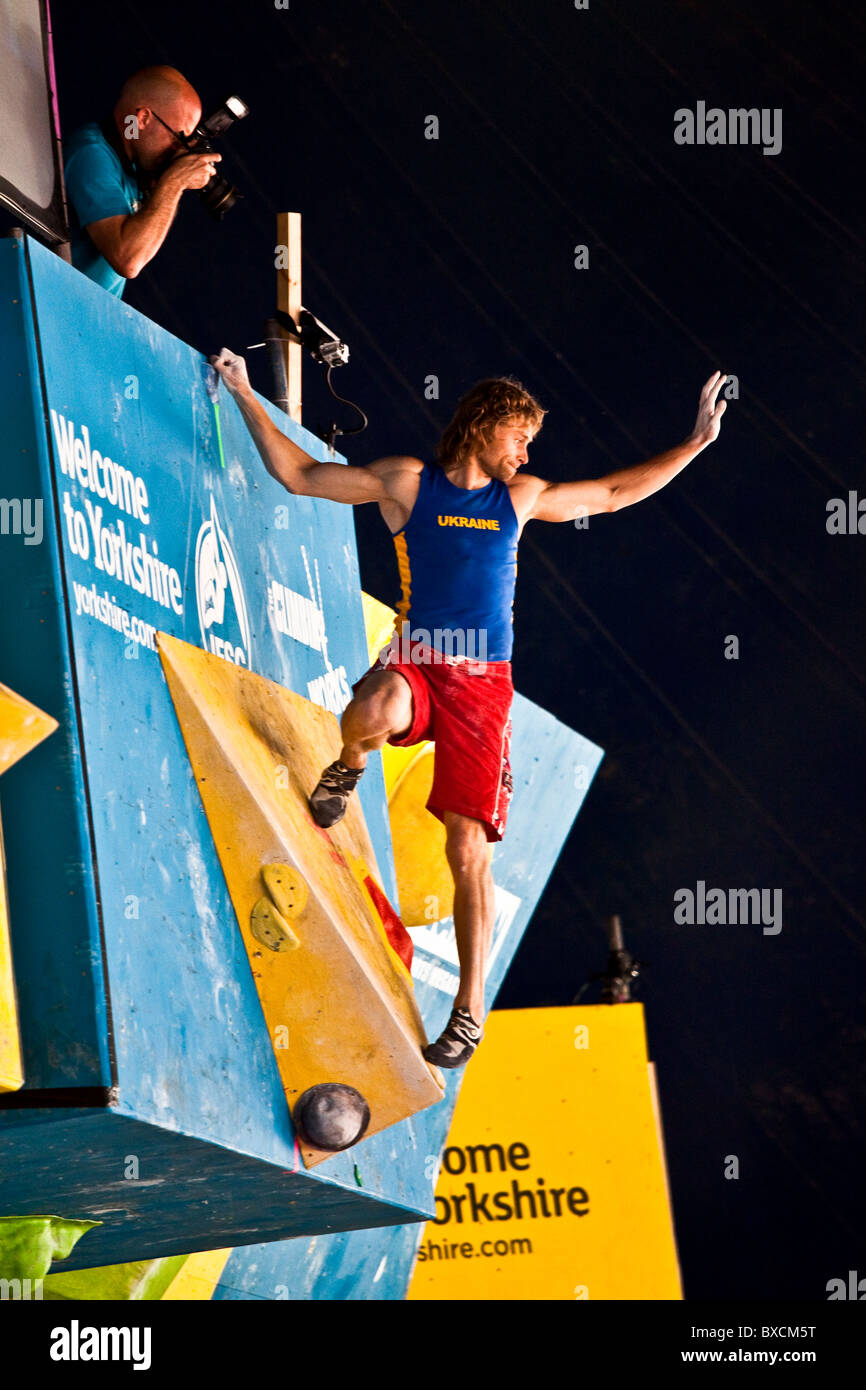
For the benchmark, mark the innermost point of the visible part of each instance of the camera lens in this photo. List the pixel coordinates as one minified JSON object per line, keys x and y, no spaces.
{"x":218,"y":196}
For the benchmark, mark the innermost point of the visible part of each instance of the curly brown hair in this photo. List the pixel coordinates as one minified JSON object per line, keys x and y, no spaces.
{"x":488,"y":404}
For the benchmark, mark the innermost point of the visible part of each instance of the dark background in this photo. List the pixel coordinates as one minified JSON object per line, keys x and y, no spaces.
{"x":455,"y":258}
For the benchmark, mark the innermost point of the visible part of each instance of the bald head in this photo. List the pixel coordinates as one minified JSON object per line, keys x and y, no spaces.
{"x":157,"y":97}
{"x":157,"y":86}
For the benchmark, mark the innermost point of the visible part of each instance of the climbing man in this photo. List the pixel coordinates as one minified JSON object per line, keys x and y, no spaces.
{"x":446,"y":674}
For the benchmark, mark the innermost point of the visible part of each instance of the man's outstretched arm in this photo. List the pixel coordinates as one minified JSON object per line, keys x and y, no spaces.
{"x":291,"y":465}
{"x":565,"y":501}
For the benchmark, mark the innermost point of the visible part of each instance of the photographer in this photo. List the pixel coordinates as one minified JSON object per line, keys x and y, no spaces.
{"x":125,"y":176}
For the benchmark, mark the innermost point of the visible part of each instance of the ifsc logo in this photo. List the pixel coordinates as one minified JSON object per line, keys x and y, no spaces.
{"x":217,"y":579}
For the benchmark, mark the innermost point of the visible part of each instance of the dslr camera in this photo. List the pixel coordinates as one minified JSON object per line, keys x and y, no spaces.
{"x":217,"y":196}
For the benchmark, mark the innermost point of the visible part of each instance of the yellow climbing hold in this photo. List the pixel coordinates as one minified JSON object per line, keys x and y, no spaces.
{"x":270,"y":928}
{"x":287,"y":889}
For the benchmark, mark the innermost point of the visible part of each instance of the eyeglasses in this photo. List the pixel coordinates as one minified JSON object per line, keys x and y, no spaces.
{"x":178,"y":135}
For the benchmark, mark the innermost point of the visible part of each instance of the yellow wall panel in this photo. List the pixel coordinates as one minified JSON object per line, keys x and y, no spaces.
{"x":198,"y":1278}
{"x":553,"y":1182}
{"x":22,"y":726}
{"x":11,"y":1066}
{"x":340,"y":1007}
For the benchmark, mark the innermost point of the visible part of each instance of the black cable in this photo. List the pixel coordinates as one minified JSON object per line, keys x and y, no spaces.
{"x":335,"y":430}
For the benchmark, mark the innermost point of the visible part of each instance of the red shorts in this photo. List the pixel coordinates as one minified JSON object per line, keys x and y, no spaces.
{"x":465,"y":708}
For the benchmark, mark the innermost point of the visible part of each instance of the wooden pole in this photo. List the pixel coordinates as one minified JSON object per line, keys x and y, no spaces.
{"x":289,"y":300}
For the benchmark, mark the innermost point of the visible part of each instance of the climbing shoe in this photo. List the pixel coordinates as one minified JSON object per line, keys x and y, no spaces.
{"x":457,"y":1043}
{"x":330,"y":798}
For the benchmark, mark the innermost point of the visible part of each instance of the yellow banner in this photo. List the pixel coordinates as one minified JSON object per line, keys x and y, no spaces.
{"x":553,"y":1184}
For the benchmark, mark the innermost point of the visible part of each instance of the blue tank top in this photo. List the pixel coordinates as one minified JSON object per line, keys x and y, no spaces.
{"x":457,"y":560}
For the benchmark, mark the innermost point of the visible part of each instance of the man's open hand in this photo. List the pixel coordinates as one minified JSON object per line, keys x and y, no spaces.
{"x":709,"y":419}
{"x":233,"y":370}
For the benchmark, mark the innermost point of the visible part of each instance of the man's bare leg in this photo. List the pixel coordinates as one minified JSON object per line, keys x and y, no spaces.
{"x":466,"y":850}
{"x":382,"y":707}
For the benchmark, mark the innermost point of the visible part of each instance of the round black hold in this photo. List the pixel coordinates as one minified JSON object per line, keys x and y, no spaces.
{"x":331,"y":1116}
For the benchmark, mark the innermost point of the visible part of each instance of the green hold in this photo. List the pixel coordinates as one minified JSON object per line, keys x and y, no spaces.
{"x":135,"y":1282}
{"x":28,"y":1244}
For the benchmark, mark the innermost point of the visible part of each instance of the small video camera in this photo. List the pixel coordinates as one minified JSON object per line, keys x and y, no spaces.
{"x":217,"y":196}
{"x":323,"y":345}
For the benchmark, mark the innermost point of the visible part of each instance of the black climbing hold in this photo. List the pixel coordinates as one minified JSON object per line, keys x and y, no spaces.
{"x":331,"y":1116}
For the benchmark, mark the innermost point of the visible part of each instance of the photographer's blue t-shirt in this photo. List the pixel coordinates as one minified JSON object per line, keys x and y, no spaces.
{"x":97,"y":185}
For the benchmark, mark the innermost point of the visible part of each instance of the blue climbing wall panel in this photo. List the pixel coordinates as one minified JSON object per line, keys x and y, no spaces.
{"x":145,"y":1051}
